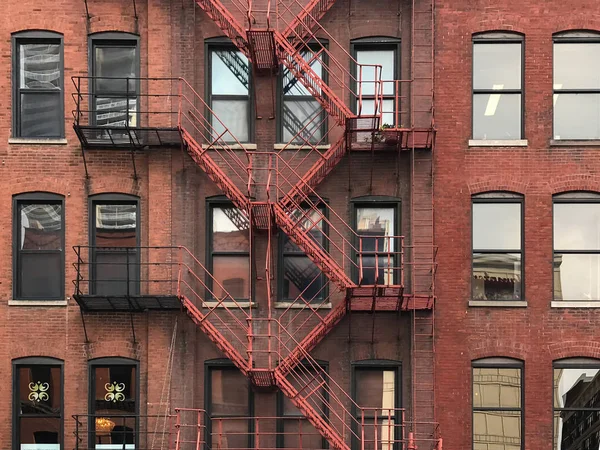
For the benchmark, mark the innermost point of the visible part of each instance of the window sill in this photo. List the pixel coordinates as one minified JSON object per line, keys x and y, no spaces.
{"x":498,"y":303}
{"x":241,"y":304}
{"x":42,"y":141}
{"x":580,"y":304}
{"x":232,"y":146}
{"x":574,"y":143}
{"x":292,"y":305}
{"x":300,"y":147}
{"x":51,"y":303}
{"x":498,"y":142}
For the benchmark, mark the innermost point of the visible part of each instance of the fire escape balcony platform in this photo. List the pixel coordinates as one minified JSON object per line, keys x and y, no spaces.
{"x":263,"y":50}
{"x":130,"y":138}
{"x":385,"y":298}
{"x":392,"y":139}
{"x":127,"y":303}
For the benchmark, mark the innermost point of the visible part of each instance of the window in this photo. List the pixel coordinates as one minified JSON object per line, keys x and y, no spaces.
{"x":38,"y":80}
{"x":228,"y":406}
{"x":114,"y":393}
{"x":229,"y":92}
{"x":302,"y":118}
{"x":576,"y":404}
{"x":114,"y":60}
{"x":497,"y":86}
{"x":377,"y":227}
{"x":497,"y":247}
{"x":38,"y":404}
{"x":576,"y":85}
{"x":293,"y":428}
{"x":114,"y":236}
{"x":497,"y":404}
{"x":39,"y":244}
{"x":299,"y":277}
{"x":376,"y":389}
{"x":386,"y":53}
{"x":577,"y":246}
{"x":229,"y":250}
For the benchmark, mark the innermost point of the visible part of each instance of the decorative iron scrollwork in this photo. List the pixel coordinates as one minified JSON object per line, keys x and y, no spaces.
{"x":114,"y":392}
{"x":38,"y":392}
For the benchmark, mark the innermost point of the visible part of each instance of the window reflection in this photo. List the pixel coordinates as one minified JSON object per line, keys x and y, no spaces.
{"x":377,"y":247}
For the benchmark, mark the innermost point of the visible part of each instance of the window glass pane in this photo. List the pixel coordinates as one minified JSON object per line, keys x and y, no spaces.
{"x":496,"y":387}
{"x":234,"y":115}
{"x":229,"y":433}
{"x":39,"y":433}
{"x":312,"y":221}
{"x":111,"y":432}
{"x":110,"y":269}
{"x":115,"y":390}
{"x":291,"y":84}
{"x":497,"y":429}
{"x":384,"y":58}
{"x":233,"y":274}
{"x":229,"y":72}
{"x":368,"y":109}
{"x":300,"y":434}
{"x":303,"y":118}
{"x":380,"y":434}
{"x":229,"y":393}
{"x":576,"y":387}
{"x":39,"y":390}
{"x":497,"y":66}
{"x":496,"y":276}
{"x":497,"y":226}
{"x":576,"y":226}
{"x":373,"y":221}
{"x":40,"y":114}
{"x":229,"y":230}
{"x":496,"y":116}
{"x":308,"y":379}
{"x":40,"y":275}
{"x":116,"y":112}
{"x":115,"y":225}
{"x":40,"y":226}
{"x":576,"y":116}
{"x":376,"y":389}
{"x":39,"y":66}
{"x":301,"y":277}
{"x":576,"y":66}
{"x":576,"y":276}
{"x":115,"y":62}
{"x":383,"y":273}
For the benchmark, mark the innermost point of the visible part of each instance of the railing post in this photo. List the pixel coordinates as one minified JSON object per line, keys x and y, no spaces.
{"x":180,"y":266}
{"x":127,"y":268}
{"x":76,"y":433}
{"x":178,"y":428}
{"x":411,"y":442}
{"x":180,"y":105}
{"x":79,"y":99}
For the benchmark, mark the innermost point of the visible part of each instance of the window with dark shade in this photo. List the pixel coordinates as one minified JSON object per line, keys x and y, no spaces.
{"x":38,"y":399}
{"x":39,"y":247}
{"x":38,"y":104}
{"x":576,"y":85}
{"x":497,"y":86}
{"x":497,"y":247}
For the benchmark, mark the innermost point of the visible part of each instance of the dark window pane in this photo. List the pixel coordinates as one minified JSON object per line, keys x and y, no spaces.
{"x":576,"y":66}
{"x":300,"y":434}
{"x":233,"y":274}
{"x":116,"y":112}
{"x":377,"y":270}
{"x":232,"y":114}
{"x":301,"y":277}
{"x":229,"y":73}
{"x":496,"y":387}
{"x":40,"y":275}
{"x":497,"y":116}
{"x":576,"y":277}
{"x":115,"y":225}
{"x":384,"y":58}
{"x":39,"y":390}
{"x":112,"y":432}
{"x":111,"y":272}
{"x":39,"y":66}
{"x":308,"y":379}
{"x":34,"y":431}
{"x":115,"y":62}
{"x":40,"y":226}
{"x":229,"y":433}
{"x":230,"y":230}
{"x":381,"y":434}
{"x":576,"y":116}
{"x":115,"y":389}
{"x":229,"y":393}
{"x":497,"y":66}
{"x":497,"y":429}
{"x":40,"y":114}
{"x":303,"y":118}
{"x":496,"y":226}
{"x":376,"y":389}
{"x":496,"y":276}
{"x":576,"y":226}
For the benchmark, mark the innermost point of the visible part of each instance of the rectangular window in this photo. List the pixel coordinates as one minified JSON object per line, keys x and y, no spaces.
{"x":299,"y":276}
{"x":115,"y":87}
{"x":576,"y":249}
{"x":497,"y":86}
{"x":497,"y":247}
{"x":229,"y":251}
{"x":38,"y":104}
{"x":577,"y":86}
{"x":228,"y":408}
{"x":39,"y":244}
{"x":378,"y":245}
{"x":38,"y":400}
{"x":115,"y":254}
{"x":302,"y":118}
{"x":229,"y":93}
{"x":497,"y":406}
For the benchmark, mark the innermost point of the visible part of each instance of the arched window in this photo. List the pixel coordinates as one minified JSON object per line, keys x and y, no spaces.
{"x":497,"y":242}
{"x":498,"y":403}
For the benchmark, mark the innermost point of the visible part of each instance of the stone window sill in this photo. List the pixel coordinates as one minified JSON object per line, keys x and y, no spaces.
{"x":240,"y":304}
{"x":42,"y":141}
{"x":498,"y":303}
{"x":580,"y":304}
{"x":498,"y":142}
{"x":29,"y":303}
{"x":291,"y":305}
{"x":232,"y":146}
{"x":575,"y":143}
{"x":300,"y":147}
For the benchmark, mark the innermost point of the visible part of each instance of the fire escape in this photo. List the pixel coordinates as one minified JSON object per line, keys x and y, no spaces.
{"x":276,"y":190}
